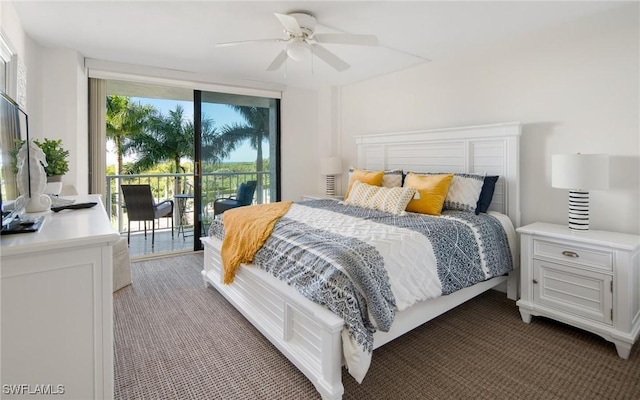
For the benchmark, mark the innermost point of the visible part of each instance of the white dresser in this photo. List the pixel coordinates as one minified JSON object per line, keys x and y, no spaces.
{"x":588,"y":279}
{"x":57,"y":307}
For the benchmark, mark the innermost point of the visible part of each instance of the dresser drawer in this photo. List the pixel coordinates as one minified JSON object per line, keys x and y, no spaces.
{"x":595,"y":258}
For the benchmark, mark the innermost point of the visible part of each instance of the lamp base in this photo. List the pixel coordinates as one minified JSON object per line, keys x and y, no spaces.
{"x":331,"y":185}
{"x":578,"y":210}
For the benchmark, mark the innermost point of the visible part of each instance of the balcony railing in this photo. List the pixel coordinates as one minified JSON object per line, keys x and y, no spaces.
{"x":166,"y":186}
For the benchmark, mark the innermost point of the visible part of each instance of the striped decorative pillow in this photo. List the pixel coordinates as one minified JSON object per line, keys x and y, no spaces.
{"x":391,"y":200}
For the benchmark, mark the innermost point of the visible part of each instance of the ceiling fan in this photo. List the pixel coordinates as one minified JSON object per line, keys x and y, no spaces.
{"x":301,"y":40}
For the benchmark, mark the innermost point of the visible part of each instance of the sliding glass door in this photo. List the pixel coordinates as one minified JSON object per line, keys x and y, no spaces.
{"x":194,"y":148}
{"x":237,"y":160}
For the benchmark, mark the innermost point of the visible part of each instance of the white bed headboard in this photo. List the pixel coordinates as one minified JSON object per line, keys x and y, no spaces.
{"x":491,"y":149}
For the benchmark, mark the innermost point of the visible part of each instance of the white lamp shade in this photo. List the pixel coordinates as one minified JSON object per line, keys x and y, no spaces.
{"x":330,"y":165}
{"x":580,"y":171}
{"x":298,"y":50}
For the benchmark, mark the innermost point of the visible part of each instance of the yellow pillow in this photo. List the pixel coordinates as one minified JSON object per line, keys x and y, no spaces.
{"x":373,"y":178}
{"x":433,"y":191}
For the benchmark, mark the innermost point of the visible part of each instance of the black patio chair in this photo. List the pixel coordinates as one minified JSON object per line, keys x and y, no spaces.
{"x":243,"y":197}
{"x":142,"y":207}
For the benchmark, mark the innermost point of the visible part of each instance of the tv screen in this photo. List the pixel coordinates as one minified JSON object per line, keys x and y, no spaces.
{"x":13,"y":129}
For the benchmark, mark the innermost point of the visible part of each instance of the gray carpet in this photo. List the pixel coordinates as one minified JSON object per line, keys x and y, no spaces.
{"x":176,"y":339}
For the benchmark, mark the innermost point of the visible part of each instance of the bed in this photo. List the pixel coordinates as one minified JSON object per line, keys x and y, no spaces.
{"x":310,"y":335}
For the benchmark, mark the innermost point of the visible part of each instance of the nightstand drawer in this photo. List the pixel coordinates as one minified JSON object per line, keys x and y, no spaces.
{"x":600,"y":259}
{"x":584,"y":293}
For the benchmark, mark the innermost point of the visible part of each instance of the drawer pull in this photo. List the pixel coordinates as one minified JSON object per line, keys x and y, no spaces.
{"x":535,"y":281}
{"x":570,"y":254}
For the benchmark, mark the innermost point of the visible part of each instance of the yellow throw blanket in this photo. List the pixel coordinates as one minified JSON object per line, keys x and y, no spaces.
{"x":246,"y":229}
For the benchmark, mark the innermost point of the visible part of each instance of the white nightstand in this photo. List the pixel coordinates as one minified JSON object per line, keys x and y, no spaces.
{"x":320,"y":197}
{"x":587,"y":279}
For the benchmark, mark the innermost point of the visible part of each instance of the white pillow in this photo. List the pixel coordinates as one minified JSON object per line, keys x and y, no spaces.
{"x":391,"y":200}
{"x":464,"y":192}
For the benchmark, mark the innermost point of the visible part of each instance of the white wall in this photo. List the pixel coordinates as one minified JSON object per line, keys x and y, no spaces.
{"x":328,"y":127}
{"x":574,"y":87}
{"x":299,"y":143}
{"x":64,"y":111}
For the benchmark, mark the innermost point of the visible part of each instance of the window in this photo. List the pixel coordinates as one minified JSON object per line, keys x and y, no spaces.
{"x":8,"y":68}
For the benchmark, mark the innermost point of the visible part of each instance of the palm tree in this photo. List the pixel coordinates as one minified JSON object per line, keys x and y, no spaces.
{"x":163,"y":140}
{"x":213,"y":148}
{"x":170,"y":138}
{"x":125,"y":120}
{"x":254,"y":128}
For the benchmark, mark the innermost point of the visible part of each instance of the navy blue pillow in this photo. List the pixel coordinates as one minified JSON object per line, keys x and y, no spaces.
{"x":486,"y":195}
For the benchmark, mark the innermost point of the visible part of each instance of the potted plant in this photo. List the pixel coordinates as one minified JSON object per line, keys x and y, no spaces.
{"x":56,"y":158}
{"x":57,"y":162}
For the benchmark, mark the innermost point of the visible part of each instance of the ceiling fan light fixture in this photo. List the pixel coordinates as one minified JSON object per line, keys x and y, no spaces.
{"x":303,"y":43}
{"x":298,"y":50}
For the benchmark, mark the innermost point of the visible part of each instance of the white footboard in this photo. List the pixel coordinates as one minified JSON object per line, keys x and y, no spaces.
{"x":306,"y":333}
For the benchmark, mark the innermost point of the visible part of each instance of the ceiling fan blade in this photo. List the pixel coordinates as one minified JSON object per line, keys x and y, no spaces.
{"x":290,"y":24}
{"x":278,"y":61}
{"x":346,"y":38}
{"x":227,"y":44}
{"x":330,"y":58}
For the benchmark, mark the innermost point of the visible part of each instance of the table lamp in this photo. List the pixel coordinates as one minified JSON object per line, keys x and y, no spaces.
{"x":579,"y":173}
{"x":330,"y":167}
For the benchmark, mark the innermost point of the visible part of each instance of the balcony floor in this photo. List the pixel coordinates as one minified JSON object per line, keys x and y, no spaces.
{"x":164,"y":243}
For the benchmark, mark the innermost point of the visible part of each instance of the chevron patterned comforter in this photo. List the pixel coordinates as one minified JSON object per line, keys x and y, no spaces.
{"x":364,"y":265}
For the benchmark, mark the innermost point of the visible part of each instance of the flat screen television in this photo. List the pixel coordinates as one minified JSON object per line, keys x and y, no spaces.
{"x":14,"y":127}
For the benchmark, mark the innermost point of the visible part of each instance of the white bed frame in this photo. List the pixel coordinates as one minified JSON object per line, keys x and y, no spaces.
{"x":310,"y":335}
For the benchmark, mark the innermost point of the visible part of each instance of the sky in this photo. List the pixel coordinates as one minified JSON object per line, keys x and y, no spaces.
{"x":221,"y":114}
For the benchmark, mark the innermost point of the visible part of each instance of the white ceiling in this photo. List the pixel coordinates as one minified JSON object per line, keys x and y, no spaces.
{"x":181,"y":35}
